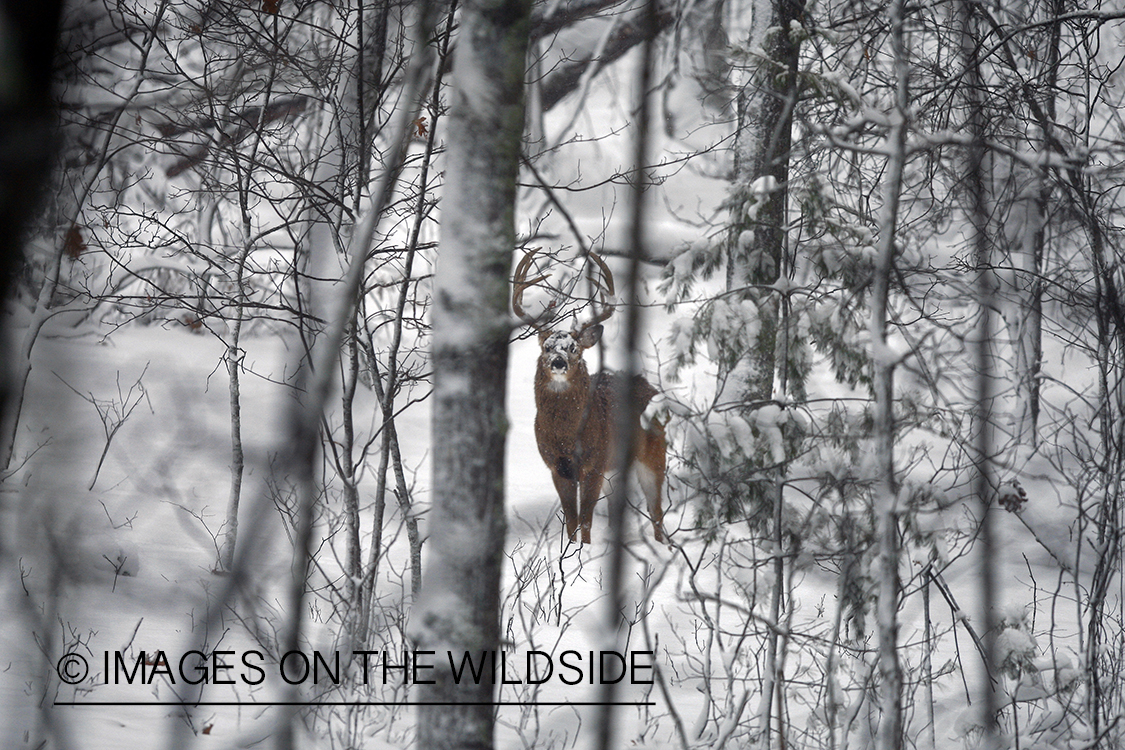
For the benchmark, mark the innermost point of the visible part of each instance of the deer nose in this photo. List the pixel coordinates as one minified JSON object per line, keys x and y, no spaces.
{"x":558,"y":363}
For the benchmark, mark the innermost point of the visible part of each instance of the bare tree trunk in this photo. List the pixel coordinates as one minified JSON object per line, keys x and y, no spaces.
{"x":1102,"y":638}
{"x":757,"y":256}
{"x":361,"y":97}
{"x":627,"y":412}
{"x":27,"y":125}
{"x":1029,"y":237}
{"x":459,"y":608}
{"x":982,"y":437}
{"x":234,"y":356}
{"x":344,"y":168}
{"x":885,"y":359}
{"x":760,"y":202}
{"x":390,"y":460}
{"x":346,"y":466}
{"x":1026,"y":324}
{"x":234,"y":353}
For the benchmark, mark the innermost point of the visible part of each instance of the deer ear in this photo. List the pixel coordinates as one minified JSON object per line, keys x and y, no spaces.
{"x":590,"y":336}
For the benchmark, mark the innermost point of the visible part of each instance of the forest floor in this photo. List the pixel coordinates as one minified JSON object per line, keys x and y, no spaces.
{"x":128,"y":566}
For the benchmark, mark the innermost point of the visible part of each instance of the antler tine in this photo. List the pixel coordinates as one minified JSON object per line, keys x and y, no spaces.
{"x":606,"y":273}
{"x":605,"y":290}
{"x":520,"y":285}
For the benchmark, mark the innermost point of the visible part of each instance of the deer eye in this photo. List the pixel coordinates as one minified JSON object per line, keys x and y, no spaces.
{"x":571,"y":347}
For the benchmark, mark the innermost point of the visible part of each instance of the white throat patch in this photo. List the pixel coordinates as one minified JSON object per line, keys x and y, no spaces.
{"x":558,"y":381}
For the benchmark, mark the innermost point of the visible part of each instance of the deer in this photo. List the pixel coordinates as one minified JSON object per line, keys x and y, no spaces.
{"x":576,"y":412}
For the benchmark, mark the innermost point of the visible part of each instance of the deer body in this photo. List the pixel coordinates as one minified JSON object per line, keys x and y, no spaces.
{"x":575,"y":415}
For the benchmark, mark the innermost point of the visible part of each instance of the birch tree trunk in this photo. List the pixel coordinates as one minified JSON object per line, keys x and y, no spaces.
{"x":458,"y":610}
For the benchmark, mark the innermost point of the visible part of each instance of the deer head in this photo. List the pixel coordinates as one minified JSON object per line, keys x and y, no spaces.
{"x":561,"y":350}
{"x":574,"y":412}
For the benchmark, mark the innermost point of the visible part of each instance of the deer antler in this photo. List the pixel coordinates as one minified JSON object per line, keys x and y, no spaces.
{"x":605,"y":290}
{"x":520,"y":284}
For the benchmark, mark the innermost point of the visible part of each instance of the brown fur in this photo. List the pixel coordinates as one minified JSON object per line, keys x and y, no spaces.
{"x":574,"y":413}
{"x":575,"y":434}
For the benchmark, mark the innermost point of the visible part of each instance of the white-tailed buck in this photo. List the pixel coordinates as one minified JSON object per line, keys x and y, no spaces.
{"x":575,"y":414}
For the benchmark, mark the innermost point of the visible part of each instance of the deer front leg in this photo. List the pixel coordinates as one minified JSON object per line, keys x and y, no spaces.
{"x":568,"y":496}
{"x":591,"y":489}
{"x":651,"y":479}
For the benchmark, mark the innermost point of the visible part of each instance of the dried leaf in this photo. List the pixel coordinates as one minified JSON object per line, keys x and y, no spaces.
{"x":1012,"y":496}
{"x":73,"y":244}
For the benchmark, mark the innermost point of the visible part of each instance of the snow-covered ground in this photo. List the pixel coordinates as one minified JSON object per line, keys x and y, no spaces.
{"x":129,"y":566}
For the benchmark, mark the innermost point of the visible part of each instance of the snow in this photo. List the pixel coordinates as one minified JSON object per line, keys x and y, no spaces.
{"x":139,"y":549}
{"x":139,"y":573}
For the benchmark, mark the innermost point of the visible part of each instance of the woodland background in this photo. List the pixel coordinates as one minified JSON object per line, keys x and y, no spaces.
{"x":872,"y":256}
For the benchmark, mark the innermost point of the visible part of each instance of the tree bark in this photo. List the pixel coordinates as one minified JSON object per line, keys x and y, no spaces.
{"x":756,"y":257}
{"x":459,"y":607}
{"x":978,"y":210}
{"x":762,"y":145}
{"x":884,"y":361}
